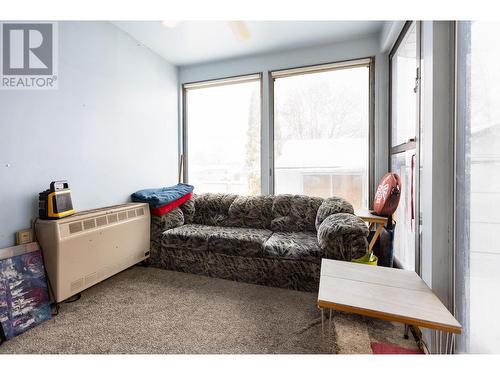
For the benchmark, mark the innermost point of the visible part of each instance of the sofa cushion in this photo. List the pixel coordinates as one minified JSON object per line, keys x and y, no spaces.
{"x":294,"y":246}
{"x":251,"y":212}
{"x":294,"y":213}
{"x":189,"y":237}
{"x":238,"y":241}
{"x":330,"y":206}
{"x":212,"y":209}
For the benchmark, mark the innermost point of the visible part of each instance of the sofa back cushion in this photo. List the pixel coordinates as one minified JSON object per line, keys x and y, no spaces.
{"x":251,"y":212}
{"x":279,"y":213}
{"x":212,"y":209}
{"x":294,"y":213}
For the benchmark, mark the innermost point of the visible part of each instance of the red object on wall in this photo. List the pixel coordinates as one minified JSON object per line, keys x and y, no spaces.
{"x":159,"y":211}
{"x":387,"y":196}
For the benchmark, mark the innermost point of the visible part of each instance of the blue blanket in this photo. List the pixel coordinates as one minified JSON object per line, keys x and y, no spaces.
{"x":162,"y":196}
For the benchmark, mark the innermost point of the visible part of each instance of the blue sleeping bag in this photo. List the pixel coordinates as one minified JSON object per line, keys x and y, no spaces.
{"x":162,"y":196}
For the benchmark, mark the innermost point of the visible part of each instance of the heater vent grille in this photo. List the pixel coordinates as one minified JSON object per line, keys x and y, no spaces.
{"x":101,"y":220}
{"x":75,"y":227}
{"x":90,"y":279}
{"x":112,"y":218}
{"x":88,"y":224}
{"x":76,"y":285}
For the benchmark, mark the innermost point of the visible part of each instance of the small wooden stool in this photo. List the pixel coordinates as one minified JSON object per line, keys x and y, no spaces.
{"x":372,"y":220}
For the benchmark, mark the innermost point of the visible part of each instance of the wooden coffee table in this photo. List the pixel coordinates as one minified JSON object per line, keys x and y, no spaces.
{"x":385,"y":293}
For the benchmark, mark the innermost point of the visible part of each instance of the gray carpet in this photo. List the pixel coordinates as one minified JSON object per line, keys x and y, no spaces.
{"x":148,"y":310}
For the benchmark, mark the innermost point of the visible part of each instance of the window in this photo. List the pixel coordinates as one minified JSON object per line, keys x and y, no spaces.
{"x":403,"y":142}
{"x":222,"y":135}
{"x":478,"y":184}
{"x":321,"y":119}
{"x":404,"y":104}
{"x":322,"y":131}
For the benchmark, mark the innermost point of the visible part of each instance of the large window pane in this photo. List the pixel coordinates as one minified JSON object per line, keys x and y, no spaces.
{"x":321,"y":134}
{"x":404,"y":234}
{"x":223,"y":138}
{"x":484,"y":157}
{"x":404,"y":99}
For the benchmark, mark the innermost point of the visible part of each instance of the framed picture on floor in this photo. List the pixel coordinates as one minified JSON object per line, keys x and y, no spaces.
{"x":24,"y":298}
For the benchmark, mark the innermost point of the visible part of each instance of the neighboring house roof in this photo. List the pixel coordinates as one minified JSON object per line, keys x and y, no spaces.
{"x":485,"y":141}
{"x":345,"y":153}
{"x":485,"y":128}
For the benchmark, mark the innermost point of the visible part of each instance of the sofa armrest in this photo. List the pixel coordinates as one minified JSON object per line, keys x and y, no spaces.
{"x":160,"y":224}
{"x":343,"y":236}
{"x":330,"y":206}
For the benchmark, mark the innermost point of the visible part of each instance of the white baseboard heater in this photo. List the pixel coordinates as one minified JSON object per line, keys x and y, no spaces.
{"x":83,"y":249}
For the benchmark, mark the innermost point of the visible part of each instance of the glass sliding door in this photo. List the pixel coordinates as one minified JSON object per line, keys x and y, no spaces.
{"x":478,"y":185}
{"x":222,"y":135}
{"x":322,"y":131}
{"x":403,"y":140}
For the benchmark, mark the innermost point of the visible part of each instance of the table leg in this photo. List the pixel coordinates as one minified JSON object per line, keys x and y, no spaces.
{"x":440,"y":342}
{"x":436,"y":351}
{"x":448,"y":342}
{"x":407,"y":330}
{"x":330,"y":323}
{"x":375,"y":236}
{"x":451,"y":339}
{"x":322,"y":324}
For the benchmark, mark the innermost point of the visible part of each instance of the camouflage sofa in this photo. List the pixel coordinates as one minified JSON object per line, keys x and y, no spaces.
{"x":270,"y":240}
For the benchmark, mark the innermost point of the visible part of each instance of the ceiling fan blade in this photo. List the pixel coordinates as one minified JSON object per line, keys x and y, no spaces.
{"x":240,"y":30}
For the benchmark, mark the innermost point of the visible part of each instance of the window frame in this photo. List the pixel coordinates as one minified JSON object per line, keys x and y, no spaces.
{"x":184,"y":133}
{"x":415,"y":143}
{"x":409,"y":145}
{"x":369,"y":62}
{"x":461,"y":188}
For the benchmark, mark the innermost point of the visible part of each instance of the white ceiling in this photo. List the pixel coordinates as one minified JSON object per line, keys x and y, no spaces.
{"x":192,"y":42}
